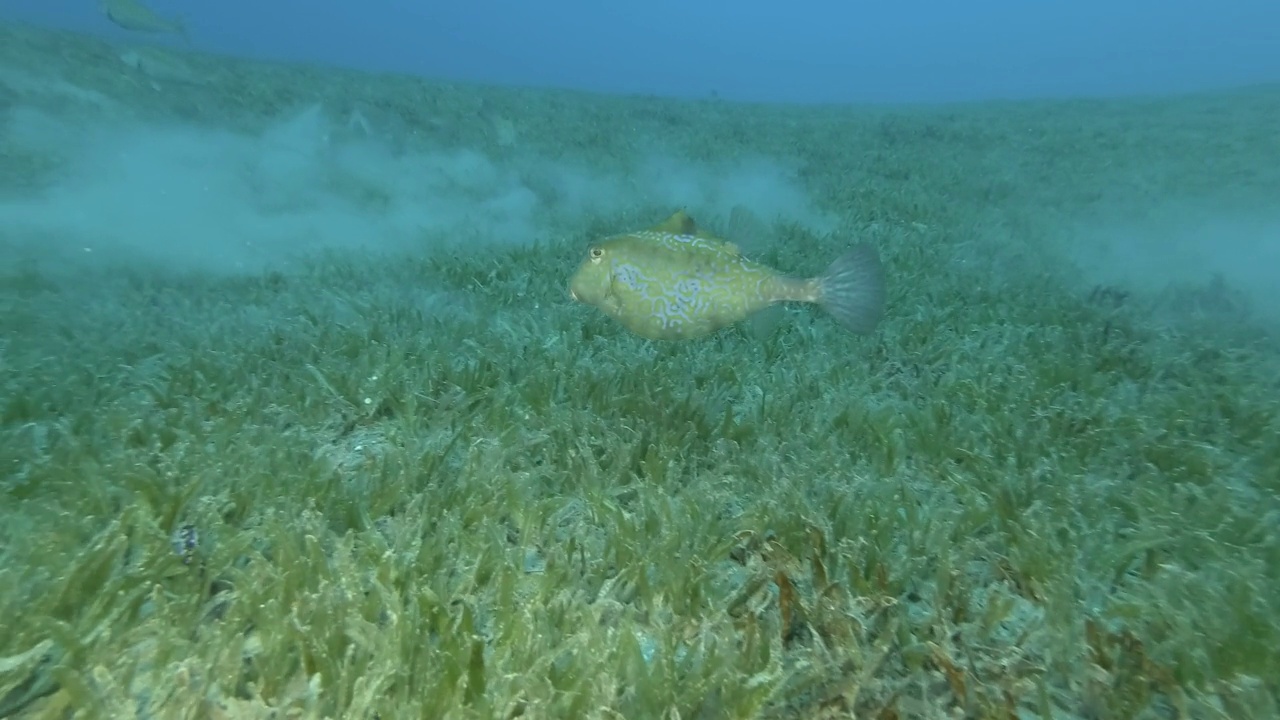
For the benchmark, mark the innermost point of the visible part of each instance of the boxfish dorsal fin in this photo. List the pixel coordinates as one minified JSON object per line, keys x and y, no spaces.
{"x":680,"y":223}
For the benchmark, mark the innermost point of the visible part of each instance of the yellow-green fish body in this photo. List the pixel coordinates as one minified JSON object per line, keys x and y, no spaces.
{"x":677,"y":282}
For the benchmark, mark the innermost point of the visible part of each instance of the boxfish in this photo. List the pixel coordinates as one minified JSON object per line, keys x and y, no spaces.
{"x":675,"y":281}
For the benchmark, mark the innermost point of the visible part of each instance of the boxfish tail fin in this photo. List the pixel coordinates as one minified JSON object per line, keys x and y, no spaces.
{"x":853,"y":289}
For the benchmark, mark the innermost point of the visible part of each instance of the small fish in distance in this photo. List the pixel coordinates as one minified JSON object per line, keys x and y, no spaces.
{"x":133,"y":15}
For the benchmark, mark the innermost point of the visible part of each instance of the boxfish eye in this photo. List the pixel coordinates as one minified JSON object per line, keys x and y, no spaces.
{"x":596,"y":253}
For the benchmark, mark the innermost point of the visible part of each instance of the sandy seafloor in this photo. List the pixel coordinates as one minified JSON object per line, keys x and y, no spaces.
{"x":296,"y":419}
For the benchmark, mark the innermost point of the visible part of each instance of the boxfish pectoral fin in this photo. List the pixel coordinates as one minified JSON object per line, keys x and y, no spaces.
{"x":765,"y":323}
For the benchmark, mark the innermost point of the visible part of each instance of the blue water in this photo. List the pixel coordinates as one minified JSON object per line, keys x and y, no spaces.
{"x":805,"y":50}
